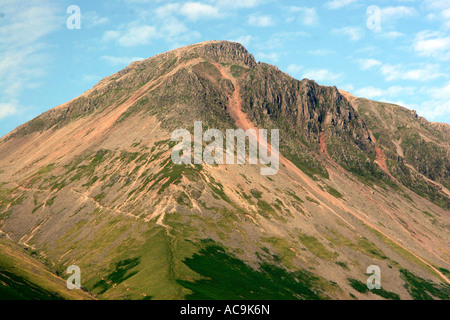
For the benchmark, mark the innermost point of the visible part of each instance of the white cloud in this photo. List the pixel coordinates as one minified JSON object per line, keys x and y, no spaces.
{"x":446,"y":14}
{"x":321,"y":52}
{"x":321,"y":75}
{"x":244,"y":40}
{"x":307,"y":16}
{"x":347,"y":87}
{"x":441,"y":93}
{"x":92,"y":19}
{"x":167,"y":25}
{"x":399,"y":72}
{"x":7,"y":109}
{"x":271,"y":56}
{"x":432,"y":45}
{"x":369,"y":92}
{"x":294,"y":69}
{"x":337,"y":4}
{"x":434,"y":110}
{"x":423,"y":72}
{"x":384,"y":94}
{"x":367,"y":64}
{"x":111,"y":35}
{"x":163,"y":12}
{"x":133,"y":35}
{"x":437,"y":106}
{"x":437,"y":4}
{"x":279,"y":39}
{"x":192,"y":11}
{"x":441,"y":15}
{"x":391,"y":35}
{"x":393,"y":13}
{"x":138,"y":35}
{"x":238,"y":4}
{"x":259,"y":20}
{"x":446,"y":18}
{"x":196,"y":10}
{"x":23,"y":62}
{"x":173,"y":27}
{"x":354,"y":33}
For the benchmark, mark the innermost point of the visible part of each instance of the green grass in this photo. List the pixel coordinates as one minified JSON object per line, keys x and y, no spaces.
{"x":100,"y":197}
{"x":362,"y":288}
{"x":183,"y":199}
{"x":237,"y":71}
{"x":256,"y":193}
{"x":405,"y":253}
{"x":121,"y":273}
{"x":444,"y":271}
{"x":342,"y":265}
{"x":89,"y":169}
{"x":362,"y":245}
{"x":421,"y":289}
{"x":293,"y":195}
{"x":23,"y":277}
{"x":172,"y":173}
{"x":307,"y":164}
{"x":229,"y":278}
{"x":334,"y":192}
{"x":316,"y":247}
{"x":134,"y":109}
{"x":34,"y":177}
{"x":284,"y":248}
{"x":141,"y":264}
{"x":312,"y":200}
{"x":217,"y":190}
{"x":50,"y":201}
{"x":37,"y":208}
{"x":14,"y":287}
{"x":368,"y":247}
{"x":265,"y":209}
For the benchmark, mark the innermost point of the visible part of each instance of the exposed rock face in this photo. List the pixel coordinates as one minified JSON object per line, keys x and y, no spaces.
{"x":304,"y":104}
{"x":226,"y":52}
{"x":416,"y":146}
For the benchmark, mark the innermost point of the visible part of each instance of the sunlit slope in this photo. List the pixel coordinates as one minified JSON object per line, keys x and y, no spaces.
{"x":92,"y":183}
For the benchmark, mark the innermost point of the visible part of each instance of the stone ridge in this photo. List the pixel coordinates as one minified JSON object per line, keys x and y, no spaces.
{"x":226,"y":52}
{"x":218,"y":51}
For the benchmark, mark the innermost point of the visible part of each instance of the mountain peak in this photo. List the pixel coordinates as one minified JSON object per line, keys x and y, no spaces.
{"x":226,"y":52}
{"x":360,"y":182}
{"x":219,"y":51}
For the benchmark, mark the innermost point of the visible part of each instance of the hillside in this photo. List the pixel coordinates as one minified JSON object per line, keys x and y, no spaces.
{"x":360,"y":183}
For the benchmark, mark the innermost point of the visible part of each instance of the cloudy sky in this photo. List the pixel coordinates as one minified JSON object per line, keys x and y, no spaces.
{"x":396,"y":51}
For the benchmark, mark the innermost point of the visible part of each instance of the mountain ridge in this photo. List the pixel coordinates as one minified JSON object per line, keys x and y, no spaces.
{"x":95,"y":176}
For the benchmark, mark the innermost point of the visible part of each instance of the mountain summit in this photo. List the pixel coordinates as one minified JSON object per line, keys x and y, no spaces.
{"x":361,"y":183}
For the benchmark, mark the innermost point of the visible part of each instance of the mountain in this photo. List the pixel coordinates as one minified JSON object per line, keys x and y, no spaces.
{"x":24,"y":278}
{"x":360,"y":183}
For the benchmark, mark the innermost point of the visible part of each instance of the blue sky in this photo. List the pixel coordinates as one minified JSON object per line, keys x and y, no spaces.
{"x":396,"y":51}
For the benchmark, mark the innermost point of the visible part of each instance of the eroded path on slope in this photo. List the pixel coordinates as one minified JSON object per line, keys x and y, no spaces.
{"x":243,"y":122}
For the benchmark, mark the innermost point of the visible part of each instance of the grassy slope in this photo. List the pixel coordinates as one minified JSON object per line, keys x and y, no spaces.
{"x":23,"y":277}
{"x":409,"y":140}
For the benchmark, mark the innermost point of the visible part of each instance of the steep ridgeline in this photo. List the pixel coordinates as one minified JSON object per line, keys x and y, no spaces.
{"x":417,"y":151}
{"x":91,"y":183}
{"x":317,"y":117}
